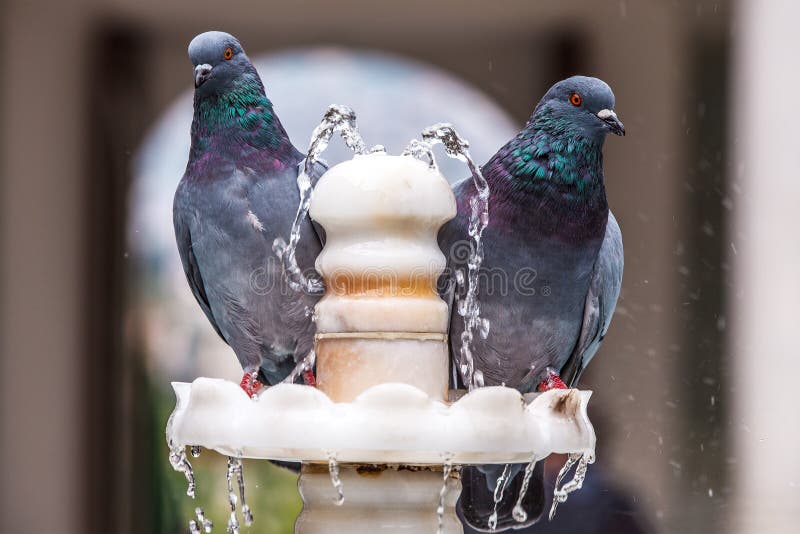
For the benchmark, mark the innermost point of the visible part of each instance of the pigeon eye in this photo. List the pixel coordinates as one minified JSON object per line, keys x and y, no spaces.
{"x":228,"y":53}
{"x":575,"y":99}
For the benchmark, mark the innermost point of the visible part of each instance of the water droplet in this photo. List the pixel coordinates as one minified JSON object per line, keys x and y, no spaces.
{"x":485,"y":326}
{"x":519,"y":514}
{"x":194,"y":450}
{"x":203,"y":521}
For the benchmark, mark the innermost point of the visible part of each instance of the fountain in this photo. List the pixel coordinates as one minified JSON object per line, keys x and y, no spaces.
{"x":381,"y":438}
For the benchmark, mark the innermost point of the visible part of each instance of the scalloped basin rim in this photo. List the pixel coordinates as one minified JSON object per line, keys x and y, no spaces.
{"x":387,"y":423}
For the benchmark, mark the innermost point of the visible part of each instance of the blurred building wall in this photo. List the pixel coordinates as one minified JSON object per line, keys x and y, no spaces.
{"x":765,"y":250}
{"x":53,"y":331}
{"x":42,"y":221}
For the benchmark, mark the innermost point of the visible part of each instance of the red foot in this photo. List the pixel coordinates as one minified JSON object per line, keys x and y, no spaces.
{"x":553,"y":381}
{"x":309,"y":378}
{"x":250,"y":383}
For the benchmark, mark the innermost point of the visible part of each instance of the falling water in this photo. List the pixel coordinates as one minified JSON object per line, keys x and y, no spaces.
{"x":235,"y":471}
{"x":499,"y":489}
{"x":333,"y":468}
{"x":447,"y":468}
{"x":193,"y":528}
{"x":179,"y":462}
{"x":518,"y":513}
{"x":560,"y":494}
{"x":203,"y":521}
{"x":306,"y":364}
{"x":337,"y":119}
{"x":233,"y":522}
{"x":469,"y":306}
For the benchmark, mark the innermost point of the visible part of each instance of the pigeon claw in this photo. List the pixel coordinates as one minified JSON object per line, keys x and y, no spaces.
{"x":553,"y":381}
{"x":250,"y":383}
{"x":309,"y":378}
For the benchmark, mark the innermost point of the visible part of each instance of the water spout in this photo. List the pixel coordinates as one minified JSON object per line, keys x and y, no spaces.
{"x":339,"y":119}
{"x":468,"y":307}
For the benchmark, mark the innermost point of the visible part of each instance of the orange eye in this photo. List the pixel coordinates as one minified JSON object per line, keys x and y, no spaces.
{"x":228,"y":53}
{"x":575,"y":99}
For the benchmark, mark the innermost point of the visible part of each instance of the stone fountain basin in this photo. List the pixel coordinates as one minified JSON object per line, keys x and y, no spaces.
{"x":390,"y":423}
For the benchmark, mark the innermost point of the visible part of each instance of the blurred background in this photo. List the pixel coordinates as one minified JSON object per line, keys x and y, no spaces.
{"x":693,"y":403}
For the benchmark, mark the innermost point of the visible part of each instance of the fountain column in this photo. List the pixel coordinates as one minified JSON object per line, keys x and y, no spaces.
{"x":381,"y":319}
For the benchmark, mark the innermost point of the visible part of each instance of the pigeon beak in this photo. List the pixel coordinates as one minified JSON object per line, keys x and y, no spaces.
{"x":612,"y":121}
{"x":201,"y":74}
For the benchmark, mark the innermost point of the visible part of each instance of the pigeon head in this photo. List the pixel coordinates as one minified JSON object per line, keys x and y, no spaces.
{"x":219,"y":63}
{"x":580,"y":106}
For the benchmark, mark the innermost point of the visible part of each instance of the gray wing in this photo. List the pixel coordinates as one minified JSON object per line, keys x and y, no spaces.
{"x":189,"y":261}
{"x":600,"y":302}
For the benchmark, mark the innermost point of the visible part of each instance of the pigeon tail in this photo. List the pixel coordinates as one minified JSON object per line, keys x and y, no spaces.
{"x":476,"y":503}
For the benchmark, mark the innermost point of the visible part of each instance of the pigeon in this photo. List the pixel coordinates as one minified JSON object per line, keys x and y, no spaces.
{"x":552,"y":267}
{"x":238,"y":194}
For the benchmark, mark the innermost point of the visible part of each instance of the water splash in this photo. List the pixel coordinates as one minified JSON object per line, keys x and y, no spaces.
{"x":203,"y":521}
{"x":235,"y":471}
{"x":306,"y":364}
{"x":560,"y":494}
{"x":339,"y":119}
{"x":468,"y":307}
{"x":447,"y":468}
{"x":333,"y":468}
{"x":499,"y":490}
{"x":518,"y":513}
{"x":179,"y":462}
{"x":421,"y":150}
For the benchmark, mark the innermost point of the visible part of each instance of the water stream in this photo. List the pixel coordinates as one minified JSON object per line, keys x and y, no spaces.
{"x":469,"y":306}
{"x":235,"y":472}
{"x":518,"y":513}
{"x":499,"y":490}
{"x":560,"y":494}
{"x":333,"y":468}
{"x":179,"y":462}
{"x":447,"y":468}
{"x":339,"y":119}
